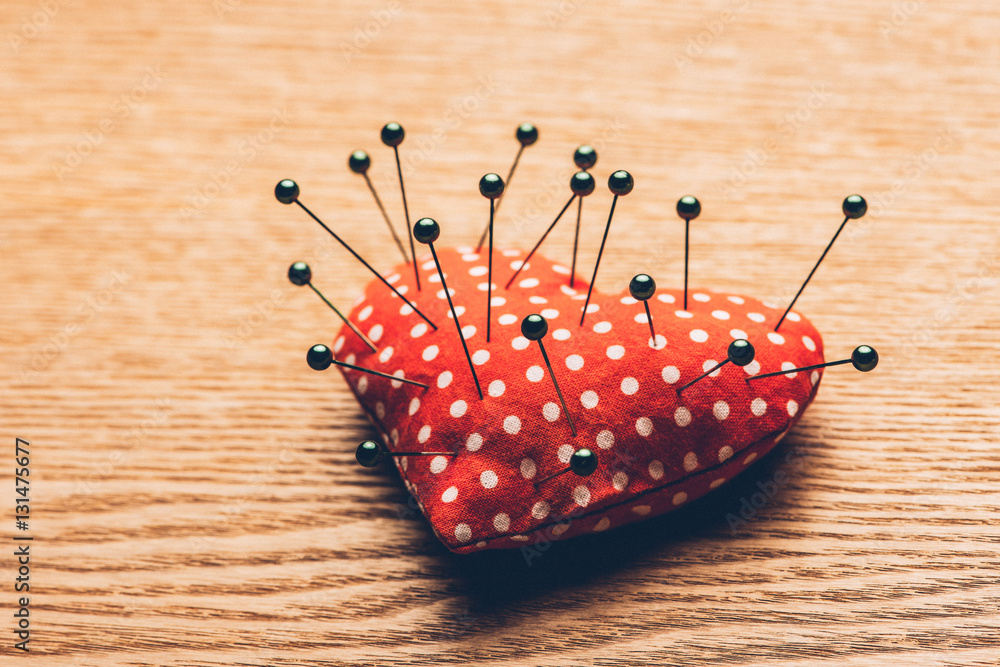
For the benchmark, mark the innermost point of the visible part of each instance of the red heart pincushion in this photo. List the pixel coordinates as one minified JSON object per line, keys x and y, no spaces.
{"x":656,"y":450}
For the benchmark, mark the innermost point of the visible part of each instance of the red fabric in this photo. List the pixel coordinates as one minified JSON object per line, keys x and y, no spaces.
{"x":656,"y":450}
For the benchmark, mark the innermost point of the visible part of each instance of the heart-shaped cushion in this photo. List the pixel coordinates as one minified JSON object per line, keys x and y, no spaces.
{"x":656,"y":450}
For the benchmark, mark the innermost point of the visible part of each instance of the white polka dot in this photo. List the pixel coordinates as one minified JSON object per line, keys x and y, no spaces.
{"x":642,"y":510}
{"x":808,"y":342}
{"x":458,"y":408}
{"x":630,"y":386}
{"x":711,"y":363}
{"x":644,"y":426}
{"x":440,"y":293}
{"x":402,"y":290}
{"x":550,"y":411}
{"x":793,"y":408}
{"x":501,"y":522}
{"x":561,"y":334}
{"x":699,"y":335}
{"x":770,"y":304}
{"x":725,"y":453}
{"x":703,"y":298}
{"x":720,"y":410}
{"x":394,"y":278}
{"x":468,"y":331}
{"x":665,"y":298}
{"x":510,"y":252}
{"x":528,"y":469}
{"x":814,"y":378}
{"x":690,"y":461}
{"x":482,"y":287}
{"x":528,"y":283}
{"x":535,"y":374}
{"x":469,"y":257}
{"x":435,"y":278}
{"x":429,"y":265}
{"x":602,"y":525}
{"x":449,"y":494}
{"x":717,"y":483}
{"x":497,"y":301}
{"x":605,"y":439}
{"x":574,"y":362}
{"x":679,"y":498}
{"x":480,"y":357}
{"x":350,"y":359}
{"x":560,"y":269}
{"x":396,"y":384}
{"x":592,"y":307}
{"x":474,"y":442}
{"x":736,"y":299}
{"x":497,"y":388}
{"x":463,"y":533}
{"x":749,"y":459}
{"x":616,"y":352}
{"x":602,"y":327}
{"x":629,"y":301}
{"x":478,"y":271}
{"x":414,"y":406}
{"x":520,"y":343}
{"x":720,"y":314}
{"x":738,"y":334}
{"x":430,"y":353}
{"x":682,"y":416}
{"x":683,"y":314}
{"x":658,"y":344}
{"x":564,"y":453}
{"x":424,"y":434}
{"x":444,"y":379}
{"x":787,"y":366}
{"x":567,"y":290}
{"x":752,"y":368}
{"x":419,"y":330}
{"x":756,"y":317}
{"x":655,"y":469}
{"x":540,"y":510}
{"x":619,"y":481}
{"x":406,"y":309}
{"x":520,"y":538}
{"x":758,"y":407}
{"x":438,"y":464}
{"x":507,"y":319}
{"x":380,"y":410}
{"x":670,"y":374}
{"x":488,"y":479}
{"x":385,"y":355}
{"x":794,"y":317}
{"x":589,"y":399}
{"x":550,"y":313}
{"x":362,"y":384}
{"x":776,"y":338}
{"x":559,"y":529}
{"x":641,"y":318}
{"x":459,"y":311}
{"x":581,"y":495}
{"x":338,"y":345}
{"x":365,"y":313}
{"x":512,"y":425}
{"x":517,"y":264}
{"x":394,"y":435}
{"x":537,"y":300}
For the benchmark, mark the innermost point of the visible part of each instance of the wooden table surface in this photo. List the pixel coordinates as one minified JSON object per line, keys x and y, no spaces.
{"x":194,"y":495}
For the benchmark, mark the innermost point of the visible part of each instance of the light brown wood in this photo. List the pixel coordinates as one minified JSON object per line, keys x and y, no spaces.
{"x":194,"y":494}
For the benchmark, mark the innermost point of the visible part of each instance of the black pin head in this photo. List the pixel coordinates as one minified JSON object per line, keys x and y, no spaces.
{"x":319,"y":357}
{"x":582,"y":184}
{"x":585,"y":157}
{"x":855,"y":206}
{"x":741,"y":352}
{"x":286,"y":191}
{"x":369,"y":454}
{"x":583,"y":462}
{"x":534,"y":327}
{"x":299,"y":273}
{"x":620,"y":183}
{"x":491,"y":186}
{"x":393,"y":134}
{"x":527,"y":134}
{"x":359,"y":162}
{"x":642,"y":287}
{"x":688,"y":207}
{"x":426,"y":230}
{"x":864,"y":358}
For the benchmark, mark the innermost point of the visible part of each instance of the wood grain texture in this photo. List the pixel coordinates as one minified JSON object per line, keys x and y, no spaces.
{"x":195,"y":496}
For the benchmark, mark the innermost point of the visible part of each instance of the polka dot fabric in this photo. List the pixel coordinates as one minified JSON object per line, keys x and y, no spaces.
{"x":657,"y":450}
